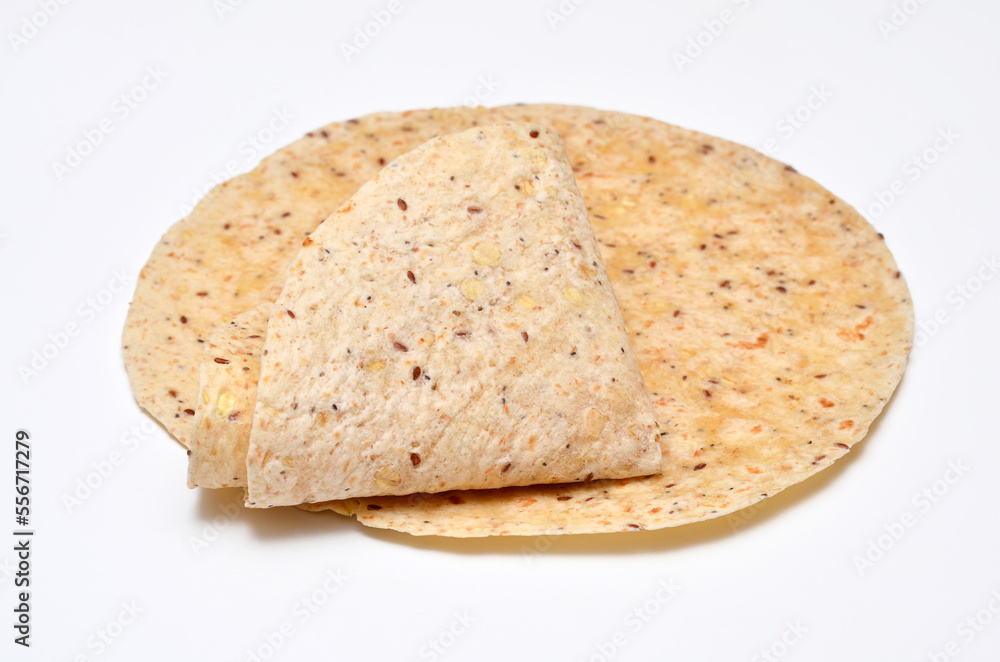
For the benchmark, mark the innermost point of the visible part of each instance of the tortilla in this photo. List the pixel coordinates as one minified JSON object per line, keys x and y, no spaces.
{"x":450,"y":327}
{"x":227,"y":392}
{"x":759,"y":413}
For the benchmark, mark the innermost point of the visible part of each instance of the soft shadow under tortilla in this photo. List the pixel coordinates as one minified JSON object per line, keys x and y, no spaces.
{"x":290,"y":521}
{"x":271,"y":522}
{"x":637,"y":542}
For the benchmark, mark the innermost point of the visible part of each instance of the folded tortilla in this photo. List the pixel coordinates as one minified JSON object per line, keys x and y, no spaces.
{"x":769,"y":319}
{"x":226,"y":395}
{"x":450,"y":327}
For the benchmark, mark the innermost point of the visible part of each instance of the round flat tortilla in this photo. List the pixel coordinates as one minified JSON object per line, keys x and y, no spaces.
{"x":769,"y":319}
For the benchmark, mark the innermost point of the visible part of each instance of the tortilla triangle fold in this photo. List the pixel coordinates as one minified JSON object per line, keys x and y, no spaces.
{"x":450,"y":327}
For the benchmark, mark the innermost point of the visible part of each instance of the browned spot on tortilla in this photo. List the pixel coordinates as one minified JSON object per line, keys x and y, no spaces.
{"x":760,"y":343}
{"x":855,"y":334}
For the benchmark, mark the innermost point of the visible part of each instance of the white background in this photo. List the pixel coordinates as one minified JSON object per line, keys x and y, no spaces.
{"x":787,"y":569}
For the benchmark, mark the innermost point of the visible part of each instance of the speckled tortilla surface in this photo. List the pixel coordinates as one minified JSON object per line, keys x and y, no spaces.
{"x":451,"y":326}
{"x":227,"y":392}
{"x":768,"y":317}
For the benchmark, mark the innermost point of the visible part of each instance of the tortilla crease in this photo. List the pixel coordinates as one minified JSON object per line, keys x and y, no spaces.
{"x":769,"y":319}
{"x":227,"y":392}
{"x":450,"y":327}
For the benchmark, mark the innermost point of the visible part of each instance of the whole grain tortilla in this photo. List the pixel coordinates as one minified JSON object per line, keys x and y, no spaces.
{"x":450,"y":327}
{"x":768,"y":317}
{"x":226,"y":395}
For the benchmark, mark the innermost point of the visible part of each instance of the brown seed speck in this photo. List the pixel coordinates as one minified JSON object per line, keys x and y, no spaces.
{"x":234,"y":416}
{"x":708,"y":393}
{"x":652,"y":159}
{"x":222,"y":361}
{"x":506,"y":468}
{"x":416,"y":373}
{"x":823,"y":376}
{"x":184,"y":320}
{"x":173,"y":394}
{"x":524,"y":334}
{"x":474,"y":210}
{"x":400,"y":346}
{"x":563,"y":498}
{"x":290,"y":314}
{"x":409,"y":274}
{"x":189,"y":412}
{"x":781,"y":289}
{"x":533,"y":134}
{"x":401,"y":204}
{"x":699,"y":466}
{"x":415,"y":459}
{"x":295,"y":174}
{"x":844,"y":446}
{"x":589,"y":477}
{"x":203,"y":294}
